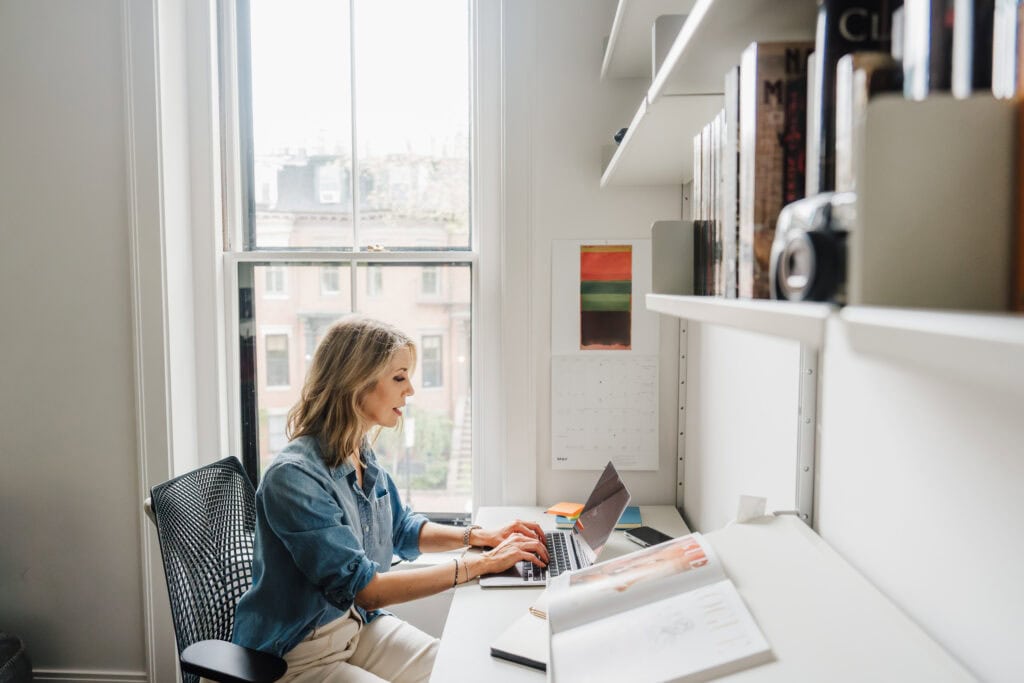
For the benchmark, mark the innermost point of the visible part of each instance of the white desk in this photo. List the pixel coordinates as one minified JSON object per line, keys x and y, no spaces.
{"x":824,"y":621}
{"x":479,"y":615}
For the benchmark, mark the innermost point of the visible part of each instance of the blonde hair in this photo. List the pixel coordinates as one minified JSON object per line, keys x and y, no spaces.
{"x":355,"y":353}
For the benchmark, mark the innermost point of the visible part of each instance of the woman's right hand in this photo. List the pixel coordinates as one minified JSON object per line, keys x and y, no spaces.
{"x":511,"y":550}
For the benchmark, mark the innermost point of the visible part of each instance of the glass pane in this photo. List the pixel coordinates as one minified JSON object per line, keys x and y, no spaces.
{"x":302,"y":123}
{"x":412,"y":122}
{"x":431,"y":458}
{"x":286,"y":330}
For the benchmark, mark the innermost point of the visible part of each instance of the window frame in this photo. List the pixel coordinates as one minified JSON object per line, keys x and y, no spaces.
{"x":482,"y":256}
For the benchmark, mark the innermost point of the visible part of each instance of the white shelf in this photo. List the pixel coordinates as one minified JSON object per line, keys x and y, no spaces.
{"x":983,"y":347}
{"x":803,"y":322}
{"x":628,"y":54}
{"x":717,"y":31}
{"x":658,"y":147}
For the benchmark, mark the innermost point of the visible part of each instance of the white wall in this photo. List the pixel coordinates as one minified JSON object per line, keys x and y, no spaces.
{"x":921,"y":472}
{"x":555,"y":193}
{"x":70,"y":569}
{"x":741,"y":423}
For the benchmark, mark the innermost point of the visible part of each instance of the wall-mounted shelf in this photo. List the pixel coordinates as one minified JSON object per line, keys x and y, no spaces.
{"x":628,"y":54}
{"x":717,"y":31}
{"x":658,"y":147}
{"x":984,"y":347}
{"x":803,"y":322}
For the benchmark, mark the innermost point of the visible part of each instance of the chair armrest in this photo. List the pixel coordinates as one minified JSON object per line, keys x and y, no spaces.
{"x":226,"y":662}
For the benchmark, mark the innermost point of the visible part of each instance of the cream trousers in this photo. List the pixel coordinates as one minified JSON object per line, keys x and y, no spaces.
{"x":348,"y":651}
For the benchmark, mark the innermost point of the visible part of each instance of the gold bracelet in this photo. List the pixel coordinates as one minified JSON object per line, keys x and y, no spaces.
{"x":468,"y":531}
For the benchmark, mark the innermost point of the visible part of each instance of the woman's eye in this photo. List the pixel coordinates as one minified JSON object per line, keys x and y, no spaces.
{"x":399,"y":379}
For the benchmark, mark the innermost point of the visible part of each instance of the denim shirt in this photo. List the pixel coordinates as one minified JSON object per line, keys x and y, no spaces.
{"x":319,"y":541}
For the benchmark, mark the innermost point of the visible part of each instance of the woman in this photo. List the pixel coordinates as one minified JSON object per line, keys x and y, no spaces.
{"x":329,"y":519}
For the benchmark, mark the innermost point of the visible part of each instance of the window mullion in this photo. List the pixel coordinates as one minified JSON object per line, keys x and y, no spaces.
{"x":354,"y":180}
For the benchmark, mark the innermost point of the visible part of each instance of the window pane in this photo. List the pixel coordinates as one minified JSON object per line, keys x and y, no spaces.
{"x":287,"y":332}
{"x":277,"y":359}
{"x":302,"y":123}
{"x":412,"y":122}
{"x":431,"y":458}
{"x":432,"y":361}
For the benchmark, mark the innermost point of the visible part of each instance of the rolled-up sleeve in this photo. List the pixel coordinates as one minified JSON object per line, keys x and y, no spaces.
{"x":304,"y":515}
{"x":405,"y":525}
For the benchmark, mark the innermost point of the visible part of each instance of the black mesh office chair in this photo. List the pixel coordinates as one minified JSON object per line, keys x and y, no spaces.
{"x":205,"y":521}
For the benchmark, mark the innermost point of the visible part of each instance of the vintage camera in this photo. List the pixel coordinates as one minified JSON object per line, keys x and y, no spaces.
{"x":808,"y":258}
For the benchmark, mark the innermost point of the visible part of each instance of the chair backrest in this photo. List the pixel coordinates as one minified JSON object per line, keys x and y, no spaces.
{"x":206,"y":521}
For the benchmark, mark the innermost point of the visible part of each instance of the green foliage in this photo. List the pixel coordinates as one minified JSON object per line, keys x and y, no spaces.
{"x":427,"y":464}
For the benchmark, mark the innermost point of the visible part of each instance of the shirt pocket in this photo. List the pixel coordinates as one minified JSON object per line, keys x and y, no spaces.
{"x":382,"y":521}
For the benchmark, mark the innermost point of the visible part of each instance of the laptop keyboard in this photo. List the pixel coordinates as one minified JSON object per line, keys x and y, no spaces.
{"x":558,"y":561}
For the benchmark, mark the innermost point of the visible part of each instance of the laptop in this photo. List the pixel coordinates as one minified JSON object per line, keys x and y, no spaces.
{"x":574,"y":548}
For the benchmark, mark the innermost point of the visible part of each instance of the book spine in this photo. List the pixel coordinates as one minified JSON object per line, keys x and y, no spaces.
{"x":859,"y":76}
{"x":843,"y":26}
{"x":927,"y":47}
{"x":719,"y":266}
{"x":1017,"y":292}
{"x":730,"y":180}
{"x":1004,"y":48}
{"x":772,"y":146}
{"x":708,"y":185}
{"x":698,"y":213}
{"x":972,"y":46}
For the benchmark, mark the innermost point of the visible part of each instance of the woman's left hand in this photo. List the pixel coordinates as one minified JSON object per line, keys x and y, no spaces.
{"x":492,"y":538}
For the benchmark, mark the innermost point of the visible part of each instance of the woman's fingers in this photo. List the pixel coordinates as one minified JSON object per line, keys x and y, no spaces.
{"x":530,"y":529}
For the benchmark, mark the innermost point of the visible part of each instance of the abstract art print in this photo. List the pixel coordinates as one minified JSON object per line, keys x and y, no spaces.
{"x":606,"y":297}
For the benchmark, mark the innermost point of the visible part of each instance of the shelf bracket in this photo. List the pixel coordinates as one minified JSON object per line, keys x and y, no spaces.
{"x":806,"y":433}
{"x":681,"y":416}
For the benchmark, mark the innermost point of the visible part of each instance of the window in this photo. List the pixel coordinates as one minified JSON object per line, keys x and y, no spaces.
{"x":374,"y":280}
{"x":330,"y":280}
{"x":432,"y":361}
{"x":277,"y":359}
{"x":430,"y":282}
{"x":276,"y":282}
{"x":348,"y":187}
{"x":276,"y":425}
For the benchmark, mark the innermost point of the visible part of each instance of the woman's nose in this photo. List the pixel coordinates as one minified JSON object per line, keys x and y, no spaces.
{"x":409,"y":391}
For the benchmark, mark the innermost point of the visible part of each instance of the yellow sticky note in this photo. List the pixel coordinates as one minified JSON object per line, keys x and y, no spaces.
{"x":570,"y":510}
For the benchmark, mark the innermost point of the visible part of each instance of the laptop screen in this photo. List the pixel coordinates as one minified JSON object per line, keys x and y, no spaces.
{"x":605,"y":505}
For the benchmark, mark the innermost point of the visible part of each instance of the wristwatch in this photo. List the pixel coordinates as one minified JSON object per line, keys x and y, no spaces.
{"x":468,"y":531}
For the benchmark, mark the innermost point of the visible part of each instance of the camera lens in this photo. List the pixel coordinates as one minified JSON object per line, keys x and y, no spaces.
{"x":797,"y":266}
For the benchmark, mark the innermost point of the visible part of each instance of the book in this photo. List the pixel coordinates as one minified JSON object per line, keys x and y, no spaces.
{"x":630,"y":519}
{"x":730,"y":180}
{"x":927,"y":47}
{"x":525,"y":641}
{"x":685,"y":619}
{"x":972,"y":46}
{"x":773,"y":91}
{"x":843,"y":26}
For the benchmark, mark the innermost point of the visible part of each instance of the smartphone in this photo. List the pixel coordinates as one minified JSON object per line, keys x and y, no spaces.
{"x":645,"y":536}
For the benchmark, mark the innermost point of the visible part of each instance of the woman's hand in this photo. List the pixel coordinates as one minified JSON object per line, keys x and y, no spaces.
{"x":492,"y":538}
{"x":517,"y":546}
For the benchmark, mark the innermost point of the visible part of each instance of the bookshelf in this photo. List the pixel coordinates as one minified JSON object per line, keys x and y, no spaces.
{"x":715,"y":34}
{"x":658,"y":147}
{"x":802,"y":322}
{"x":687,"y":90}
{"x":628,"y":53}
{"x":906,"y":402}
{"x":985,"y":347}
